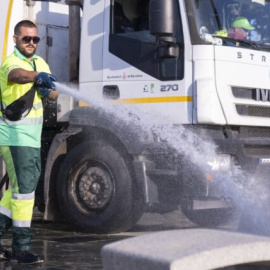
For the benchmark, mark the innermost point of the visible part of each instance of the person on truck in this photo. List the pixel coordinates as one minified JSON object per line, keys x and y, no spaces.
{"x":20,"y":140}
{"x":240,"y":28}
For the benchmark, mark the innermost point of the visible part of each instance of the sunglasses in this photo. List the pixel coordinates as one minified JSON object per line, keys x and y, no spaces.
{"x":27,"y":39}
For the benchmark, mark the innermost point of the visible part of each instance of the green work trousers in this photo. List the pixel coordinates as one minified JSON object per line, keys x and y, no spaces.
{"x":16,"y":206}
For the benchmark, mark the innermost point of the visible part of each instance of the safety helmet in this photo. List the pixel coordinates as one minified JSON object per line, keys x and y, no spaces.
{"x":243,"y":23}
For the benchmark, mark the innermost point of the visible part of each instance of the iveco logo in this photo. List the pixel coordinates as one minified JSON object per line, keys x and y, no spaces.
{"x":262,"y":94}
{"x":264,"y":161}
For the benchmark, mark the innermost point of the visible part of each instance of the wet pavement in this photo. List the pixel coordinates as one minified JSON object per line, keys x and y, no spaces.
{"x":65,"y":248}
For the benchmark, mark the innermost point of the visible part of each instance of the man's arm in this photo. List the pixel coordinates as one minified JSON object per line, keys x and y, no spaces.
{"x":21,"y":76}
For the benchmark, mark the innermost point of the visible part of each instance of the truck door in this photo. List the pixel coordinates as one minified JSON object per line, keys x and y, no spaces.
{"x":54,"y":48}
{"x":59,"y":62}
{"x":134,"y":74}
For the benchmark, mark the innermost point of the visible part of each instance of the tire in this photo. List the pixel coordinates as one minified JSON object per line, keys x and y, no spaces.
{"x":207,"y":217}
{"x":95,"y":189}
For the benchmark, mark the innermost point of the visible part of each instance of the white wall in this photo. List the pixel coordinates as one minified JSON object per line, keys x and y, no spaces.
{"x":6,"y":41}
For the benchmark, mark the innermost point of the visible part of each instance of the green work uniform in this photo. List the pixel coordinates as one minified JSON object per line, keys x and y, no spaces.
{"x":20,"y":143}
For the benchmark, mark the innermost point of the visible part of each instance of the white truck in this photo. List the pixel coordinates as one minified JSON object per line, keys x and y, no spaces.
{"x":163,"y":55}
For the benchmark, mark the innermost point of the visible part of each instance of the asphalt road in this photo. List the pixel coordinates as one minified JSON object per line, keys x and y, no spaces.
{"x":65,"y":248}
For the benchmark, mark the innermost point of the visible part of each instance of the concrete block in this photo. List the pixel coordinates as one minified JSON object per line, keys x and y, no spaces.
{"x":186,"y":249}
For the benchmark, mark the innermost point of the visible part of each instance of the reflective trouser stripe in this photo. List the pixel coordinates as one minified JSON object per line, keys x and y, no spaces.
{"x":21,"y":223}
{"x":29,"y":196}
{"x":5,"y":211}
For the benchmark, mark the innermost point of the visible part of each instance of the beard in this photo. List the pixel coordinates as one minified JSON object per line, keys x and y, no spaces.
{"x":27,"y":51}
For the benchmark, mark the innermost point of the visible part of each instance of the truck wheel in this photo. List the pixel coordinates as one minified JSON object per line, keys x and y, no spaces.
{"x":207,"y":217}
{"x":96,"y":191}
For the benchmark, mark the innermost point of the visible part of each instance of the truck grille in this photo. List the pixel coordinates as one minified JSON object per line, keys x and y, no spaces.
{"x":257,"y":150}
{"x":253,"y":150}
{"x":258,"y":132}
{"x":246,"y":93}
{"x":249,"y":110}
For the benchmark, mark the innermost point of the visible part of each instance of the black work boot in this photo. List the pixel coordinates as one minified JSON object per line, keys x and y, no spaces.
{"x":27,"y":257}
{"x":5,"y":254}
{"x":21,"y":246}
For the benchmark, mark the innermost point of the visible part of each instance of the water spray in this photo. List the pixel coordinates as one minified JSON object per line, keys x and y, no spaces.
{"x":243,"y":189}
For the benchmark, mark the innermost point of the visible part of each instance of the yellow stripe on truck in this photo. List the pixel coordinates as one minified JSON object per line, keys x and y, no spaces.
{"x":148,"y":100}
{"x":4,"y":52}
{"x":154,"y":100}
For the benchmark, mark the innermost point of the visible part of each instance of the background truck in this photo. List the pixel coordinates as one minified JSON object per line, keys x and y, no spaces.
{"x":165,"y":58}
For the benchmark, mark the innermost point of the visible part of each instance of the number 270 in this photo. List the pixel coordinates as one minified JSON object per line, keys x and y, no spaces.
{"x":169,"y":87}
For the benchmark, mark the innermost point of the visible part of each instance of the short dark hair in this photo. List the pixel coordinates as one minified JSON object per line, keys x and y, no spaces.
{"x":25,"y":23}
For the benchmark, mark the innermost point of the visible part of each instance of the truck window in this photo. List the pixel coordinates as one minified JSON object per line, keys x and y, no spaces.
{"x":130,"y":29}
{"x":214,"y":20}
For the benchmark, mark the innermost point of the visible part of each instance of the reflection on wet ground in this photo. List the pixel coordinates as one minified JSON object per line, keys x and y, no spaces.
{"x":62,"y":248}
{"x":65,"y":248}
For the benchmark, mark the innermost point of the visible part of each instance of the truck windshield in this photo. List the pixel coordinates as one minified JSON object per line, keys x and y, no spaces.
{"x":230,"y":22}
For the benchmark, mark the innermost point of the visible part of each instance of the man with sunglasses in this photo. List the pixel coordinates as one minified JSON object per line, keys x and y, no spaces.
{"x":20,"y":140}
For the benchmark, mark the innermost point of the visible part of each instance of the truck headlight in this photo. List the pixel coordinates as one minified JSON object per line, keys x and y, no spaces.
{"x":221,"y":162}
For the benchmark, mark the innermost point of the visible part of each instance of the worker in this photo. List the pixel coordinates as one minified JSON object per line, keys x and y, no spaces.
{"x":20,"y":140}
{"x":240,"y":27}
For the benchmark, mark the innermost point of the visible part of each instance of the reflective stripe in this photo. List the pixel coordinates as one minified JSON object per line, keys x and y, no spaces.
{"x":38,"y":106}
{"x":23,"y":197}
{"x":5,"y":211}
{"x":21,"y":223}
{"x":147,"y":100}
{"x":25,"y":121}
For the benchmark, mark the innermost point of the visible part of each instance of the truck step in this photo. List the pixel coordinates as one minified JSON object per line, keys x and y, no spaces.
{"x":157,"y":172}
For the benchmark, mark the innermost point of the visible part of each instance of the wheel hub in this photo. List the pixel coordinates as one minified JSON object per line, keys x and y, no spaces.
{"x":95,"y":188}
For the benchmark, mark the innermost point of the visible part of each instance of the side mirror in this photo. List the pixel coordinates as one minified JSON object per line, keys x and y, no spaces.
{"x":161,"y":17}
{"x":161,"y":25}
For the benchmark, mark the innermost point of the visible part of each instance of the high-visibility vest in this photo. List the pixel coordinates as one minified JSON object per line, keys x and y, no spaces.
{"x":25,"y":132}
